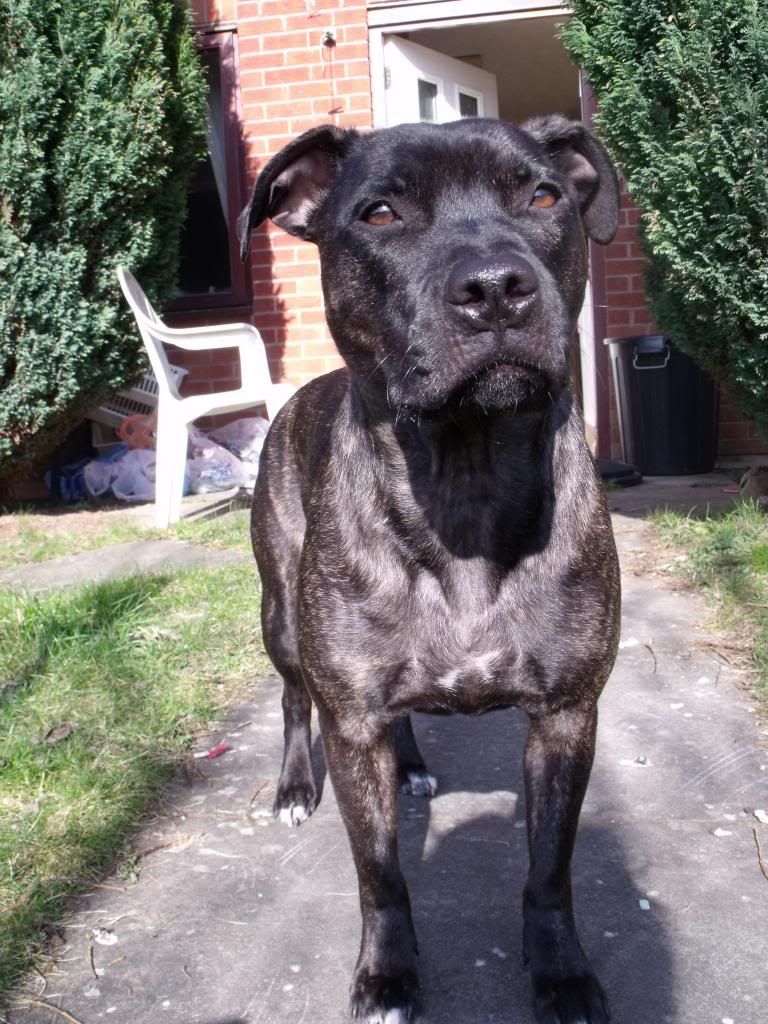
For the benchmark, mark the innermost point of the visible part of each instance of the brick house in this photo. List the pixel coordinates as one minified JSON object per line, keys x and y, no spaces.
{"x":278,"y":67}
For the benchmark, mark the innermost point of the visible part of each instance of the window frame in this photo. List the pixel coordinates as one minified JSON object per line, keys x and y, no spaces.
{"x":239,"y":295}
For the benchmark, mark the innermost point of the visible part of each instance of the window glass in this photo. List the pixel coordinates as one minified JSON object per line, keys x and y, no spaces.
{"x":427,"y":101}
{"x":211,"y":273}
{"x":205,"y":257}
{"x":468,"y":105}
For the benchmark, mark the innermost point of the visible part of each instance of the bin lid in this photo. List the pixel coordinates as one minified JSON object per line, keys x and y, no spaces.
{"x":643,"y":343}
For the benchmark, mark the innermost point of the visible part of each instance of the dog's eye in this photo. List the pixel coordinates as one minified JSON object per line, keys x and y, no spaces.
{"x":544,"y":197}
{"x":379,"y":214}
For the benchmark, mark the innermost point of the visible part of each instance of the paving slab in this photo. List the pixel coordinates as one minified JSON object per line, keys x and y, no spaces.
{"x":236,"y":918}
{"x":697,"y":495}
{"x":113,"y":561}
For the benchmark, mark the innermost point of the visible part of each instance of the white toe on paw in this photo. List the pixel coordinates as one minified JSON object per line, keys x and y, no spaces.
{"x":299,"y":814}
{"x":422,"y":784}
{"x":296,"y":814}
{"x":395,"y":1017}
{"x":390,"y":1017}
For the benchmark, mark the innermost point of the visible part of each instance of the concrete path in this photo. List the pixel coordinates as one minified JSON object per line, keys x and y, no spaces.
{"x":236,"y":918}
{"x":113,"y":561}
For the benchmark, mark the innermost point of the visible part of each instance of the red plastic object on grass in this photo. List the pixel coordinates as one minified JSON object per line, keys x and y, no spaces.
{"x":209,"y":755}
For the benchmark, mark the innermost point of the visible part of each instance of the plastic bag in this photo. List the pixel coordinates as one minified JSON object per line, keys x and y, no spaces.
{"x":244,"y":437}
{"x":100,"y":472}
{"x":135,"y":480}
{"x":211,"y":467}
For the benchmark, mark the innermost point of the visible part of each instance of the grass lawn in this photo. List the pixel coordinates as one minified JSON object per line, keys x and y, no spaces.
{"x":30,"y":537}
{"x":727,"y":557}
{"x":103,"y":689}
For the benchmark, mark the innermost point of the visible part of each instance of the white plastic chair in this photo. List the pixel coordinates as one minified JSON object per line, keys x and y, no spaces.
{"x":174,"y":413}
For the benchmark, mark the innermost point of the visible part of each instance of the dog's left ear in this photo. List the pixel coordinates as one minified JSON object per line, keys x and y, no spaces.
{"x":581,"y":158}
{"x":294,"y":182}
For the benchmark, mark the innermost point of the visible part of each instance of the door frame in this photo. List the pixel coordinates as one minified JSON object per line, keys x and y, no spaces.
{"x":395,"y":16}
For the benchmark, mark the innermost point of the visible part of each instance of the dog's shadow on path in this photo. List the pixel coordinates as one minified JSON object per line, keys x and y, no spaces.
{"x":465,"y":857}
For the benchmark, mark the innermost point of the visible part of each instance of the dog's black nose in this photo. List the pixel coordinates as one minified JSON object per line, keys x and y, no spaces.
{"x":493,"y":290}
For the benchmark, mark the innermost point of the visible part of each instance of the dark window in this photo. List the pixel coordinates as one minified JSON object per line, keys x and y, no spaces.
{"x":427,"y":100}
{"x":468,"y":105}
{"x":210,"y":271}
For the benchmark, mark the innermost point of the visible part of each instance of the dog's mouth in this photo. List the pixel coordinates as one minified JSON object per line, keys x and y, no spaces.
{"x":499,"y":385}
{"x":505,"y":366}
{"x":503,"y":384}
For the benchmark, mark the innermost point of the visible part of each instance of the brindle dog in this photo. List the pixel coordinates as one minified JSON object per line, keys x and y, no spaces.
{"x":428,"y":523}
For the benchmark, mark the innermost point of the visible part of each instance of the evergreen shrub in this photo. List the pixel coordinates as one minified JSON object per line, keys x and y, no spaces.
{"x":682,"y":88}
{"x":102,"y":120}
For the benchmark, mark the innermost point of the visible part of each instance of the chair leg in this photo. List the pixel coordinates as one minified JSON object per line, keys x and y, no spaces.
{"x":169,"y":469}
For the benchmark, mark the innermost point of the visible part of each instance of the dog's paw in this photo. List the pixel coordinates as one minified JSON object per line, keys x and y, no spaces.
{"x":294,"y":804}
{"x":418,"y":782}
{"x":575,"y":1000}
{"x":377,"y":999}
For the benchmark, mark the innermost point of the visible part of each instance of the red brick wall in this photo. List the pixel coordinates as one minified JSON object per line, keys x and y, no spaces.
{"x":290,"y":82}
{"x":738,"y":436}
{"x":624,"y":285}
{"x":627,"y":312}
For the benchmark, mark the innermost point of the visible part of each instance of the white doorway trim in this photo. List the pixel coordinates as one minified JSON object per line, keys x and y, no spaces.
{"x":439,"y":13}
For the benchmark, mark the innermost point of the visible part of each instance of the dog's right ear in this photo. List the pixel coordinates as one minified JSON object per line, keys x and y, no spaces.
{"x":294,"y":182}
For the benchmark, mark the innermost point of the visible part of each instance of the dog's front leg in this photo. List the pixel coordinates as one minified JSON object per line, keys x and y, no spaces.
{"x":296,"y":796}
{"x":558,"y":759}
{"x":363,"y":769}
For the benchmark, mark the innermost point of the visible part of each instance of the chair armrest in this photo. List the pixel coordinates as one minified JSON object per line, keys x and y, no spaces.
{"x":201,"y":338}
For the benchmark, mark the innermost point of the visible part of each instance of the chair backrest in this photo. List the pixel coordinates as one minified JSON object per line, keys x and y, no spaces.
{"x":146,"y":318}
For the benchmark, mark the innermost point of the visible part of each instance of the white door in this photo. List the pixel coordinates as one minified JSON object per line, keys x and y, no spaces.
{"x":424,"y":85}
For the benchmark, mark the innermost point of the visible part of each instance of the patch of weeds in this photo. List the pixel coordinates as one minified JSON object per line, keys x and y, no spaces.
{"x":727,"y":557}
{"x":129,"y":869}
{"x":137,"y":667}
{"x":760,"y":558}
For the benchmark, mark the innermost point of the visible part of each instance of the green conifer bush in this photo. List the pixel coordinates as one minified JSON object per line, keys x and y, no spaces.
{"x":682,"y":88}
{"x":102,"y":119}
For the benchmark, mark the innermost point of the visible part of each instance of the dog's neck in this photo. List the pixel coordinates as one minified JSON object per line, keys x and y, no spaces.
{"x":481,"y":485}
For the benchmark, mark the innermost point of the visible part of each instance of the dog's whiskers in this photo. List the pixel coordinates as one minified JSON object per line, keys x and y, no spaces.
{"x":376,"y":367}
{"x":408,"y":349}
{"x":410,"y":371}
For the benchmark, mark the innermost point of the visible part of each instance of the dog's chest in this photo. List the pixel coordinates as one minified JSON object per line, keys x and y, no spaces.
{"x":469,"y":641}
{"x":459,"y":642}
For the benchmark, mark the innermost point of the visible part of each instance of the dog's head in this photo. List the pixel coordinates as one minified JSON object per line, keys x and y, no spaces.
{"x":453,"y":256}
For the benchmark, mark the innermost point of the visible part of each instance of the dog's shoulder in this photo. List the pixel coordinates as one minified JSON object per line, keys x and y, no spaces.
{"x":298,"y":441}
